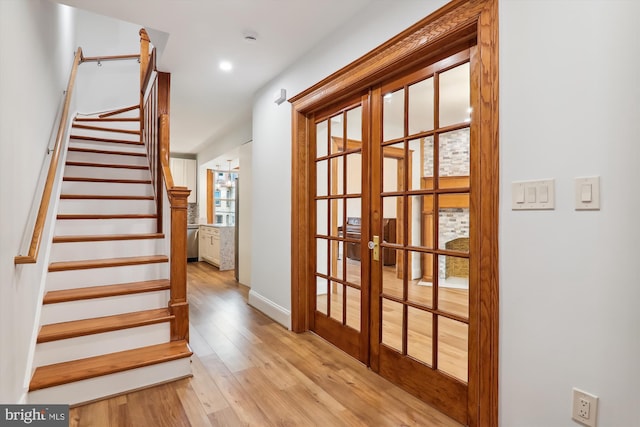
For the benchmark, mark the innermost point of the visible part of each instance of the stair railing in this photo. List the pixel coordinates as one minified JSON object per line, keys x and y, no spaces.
{"x":154,"y":116}
{"x":38,"y":229}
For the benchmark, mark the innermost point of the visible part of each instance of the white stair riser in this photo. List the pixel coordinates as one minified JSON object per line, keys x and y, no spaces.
{"x":98,"y":307}
{"x":106,"y":173}
{"x":74,"y":279}
{"x":114,"y":384}
{"x":105,"y":206}
{"x":97,"y":344}
{"x":101,"y":145}
{"x":70,"y":227}
{"x":108,"y":249}
{"x":104,"y":134}
{"x":106,"y":188}
{"x":116,"y":159}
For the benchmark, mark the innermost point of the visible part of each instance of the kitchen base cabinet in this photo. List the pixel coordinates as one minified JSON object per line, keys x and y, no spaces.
{"x":217,"y":246}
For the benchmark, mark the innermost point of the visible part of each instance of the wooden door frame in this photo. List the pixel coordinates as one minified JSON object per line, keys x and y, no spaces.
{"x":458,"y":23}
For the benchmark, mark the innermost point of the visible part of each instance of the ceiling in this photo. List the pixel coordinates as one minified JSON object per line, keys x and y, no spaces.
{"x":207,"y":103}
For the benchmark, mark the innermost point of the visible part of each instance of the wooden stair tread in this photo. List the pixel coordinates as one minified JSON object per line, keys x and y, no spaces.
{"x":93,"y":292}
{"x":106,"y":180}
{"x":106,"y":119}
{"x":95,"y":151}
{"x":102,"y":197}
{"x":106,"y":237}
{"x":115,"y":141}
{"x":97,"y":325}
{"x":106,"y":165}
{"x":104,"y":129}
{"x":107,"y":262}
{"x":92,"y":367}
{"x":106,"y":216}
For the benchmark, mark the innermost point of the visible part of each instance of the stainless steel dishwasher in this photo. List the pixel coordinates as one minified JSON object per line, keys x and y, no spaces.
{"x":192,"y":242}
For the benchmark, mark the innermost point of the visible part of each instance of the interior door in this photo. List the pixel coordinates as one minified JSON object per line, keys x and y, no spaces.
{"x":339,"y":295}
{"x":421,"y":167}
{"x":393,"y":169}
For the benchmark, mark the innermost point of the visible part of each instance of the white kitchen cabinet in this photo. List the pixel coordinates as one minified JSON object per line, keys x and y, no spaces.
{"x":184,"y":172}
{"x":217,"y":246}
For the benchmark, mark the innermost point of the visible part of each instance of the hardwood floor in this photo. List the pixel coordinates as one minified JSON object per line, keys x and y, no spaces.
{"x":249,"y":370}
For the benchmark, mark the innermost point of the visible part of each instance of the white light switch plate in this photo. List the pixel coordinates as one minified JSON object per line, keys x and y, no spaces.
{"x":533,"y":195}
{"x":585,"y":187}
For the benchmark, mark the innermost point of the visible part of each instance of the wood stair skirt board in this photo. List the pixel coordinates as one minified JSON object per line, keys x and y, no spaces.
{"x":84,"y":380}
{"x":105,"y":263}
{"x":92,"y":292}
{"x":78,"y":328}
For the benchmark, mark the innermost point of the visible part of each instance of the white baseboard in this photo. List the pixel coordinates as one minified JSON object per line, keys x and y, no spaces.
{"x":270,"y":308}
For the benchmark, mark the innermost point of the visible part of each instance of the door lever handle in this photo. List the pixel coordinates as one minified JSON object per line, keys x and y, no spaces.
{"x":375,"y":245}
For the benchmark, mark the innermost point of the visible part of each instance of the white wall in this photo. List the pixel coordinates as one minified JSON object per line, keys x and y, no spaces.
{"x":114,"y":84}
{"x":37,"y":43}
{"x":271,"y":260}
{"x":569,"y":282}
{"x":246,"y":213}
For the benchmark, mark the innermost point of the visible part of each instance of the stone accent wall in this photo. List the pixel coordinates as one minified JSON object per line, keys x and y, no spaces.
{"x":454,"y":223}
{"x":454,"y":154}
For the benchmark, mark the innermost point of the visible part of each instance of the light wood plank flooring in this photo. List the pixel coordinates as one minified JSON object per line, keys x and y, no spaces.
{"x":249,"y":370}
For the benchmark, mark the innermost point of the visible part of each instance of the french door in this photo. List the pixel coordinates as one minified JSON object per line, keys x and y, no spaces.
{"x":395,"y":210}
{"x":394,"y":228}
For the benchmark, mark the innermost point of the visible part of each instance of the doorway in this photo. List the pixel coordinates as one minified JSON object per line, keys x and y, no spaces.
{"x":395,"y":240}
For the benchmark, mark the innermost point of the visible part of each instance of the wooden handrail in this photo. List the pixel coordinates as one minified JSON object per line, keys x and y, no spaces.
{"x":110,"y":58}
{"x":38,"y":229}
{"x":118,"y":111}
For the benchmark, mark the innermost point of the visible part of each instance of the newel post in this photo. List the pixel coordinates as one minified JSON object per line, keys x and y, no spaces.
{"x":144,"y":64}
{"x":178,"y":302}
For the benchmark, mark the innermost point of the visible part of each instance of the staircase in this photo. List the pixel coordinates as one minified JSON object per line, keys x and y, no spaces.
{"x":105,"y":326}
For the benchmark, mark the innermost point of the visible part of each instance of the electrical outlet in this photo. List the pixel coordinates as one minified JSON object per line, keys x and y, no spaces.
{"x":585,"y":408}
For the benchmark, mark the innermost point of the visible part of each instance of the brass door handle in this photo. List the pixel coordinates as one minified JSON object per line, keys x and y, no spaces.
{"x":375,"y":245}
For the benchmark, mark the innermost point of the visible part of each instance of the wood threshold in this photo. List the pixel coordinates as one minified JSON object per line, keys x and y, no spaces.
{"x":106,"y":165}
{"x":98,"y":325}
{"x":105,"y":216}
{"x":103,"y":129}
{"x":102,"y":197}
{"x":115,"y":141}
{"x":118,"y":153}
{"x":92,"y":367}
{"x":106,"y":263}
{"x":106,"y":237}
{"x":106,"y":180}
{"x":93,"y":292}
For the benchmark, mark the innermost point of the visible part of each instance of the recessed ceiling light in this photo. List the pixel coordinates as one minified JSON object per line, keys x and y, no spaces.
{"x":225,"y":66}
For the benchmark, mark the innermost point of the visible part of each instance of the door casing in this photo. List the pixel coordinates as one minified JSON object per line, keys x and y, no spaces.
{"x":459,"y":24}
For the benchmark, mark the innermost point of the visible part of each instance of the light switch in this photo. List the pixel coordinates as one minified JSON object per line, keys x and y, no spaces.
{"x":587,"y":193}
{"x":533,"y":195}
{"x":519,"y":194}
{"x":543,"y":194}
